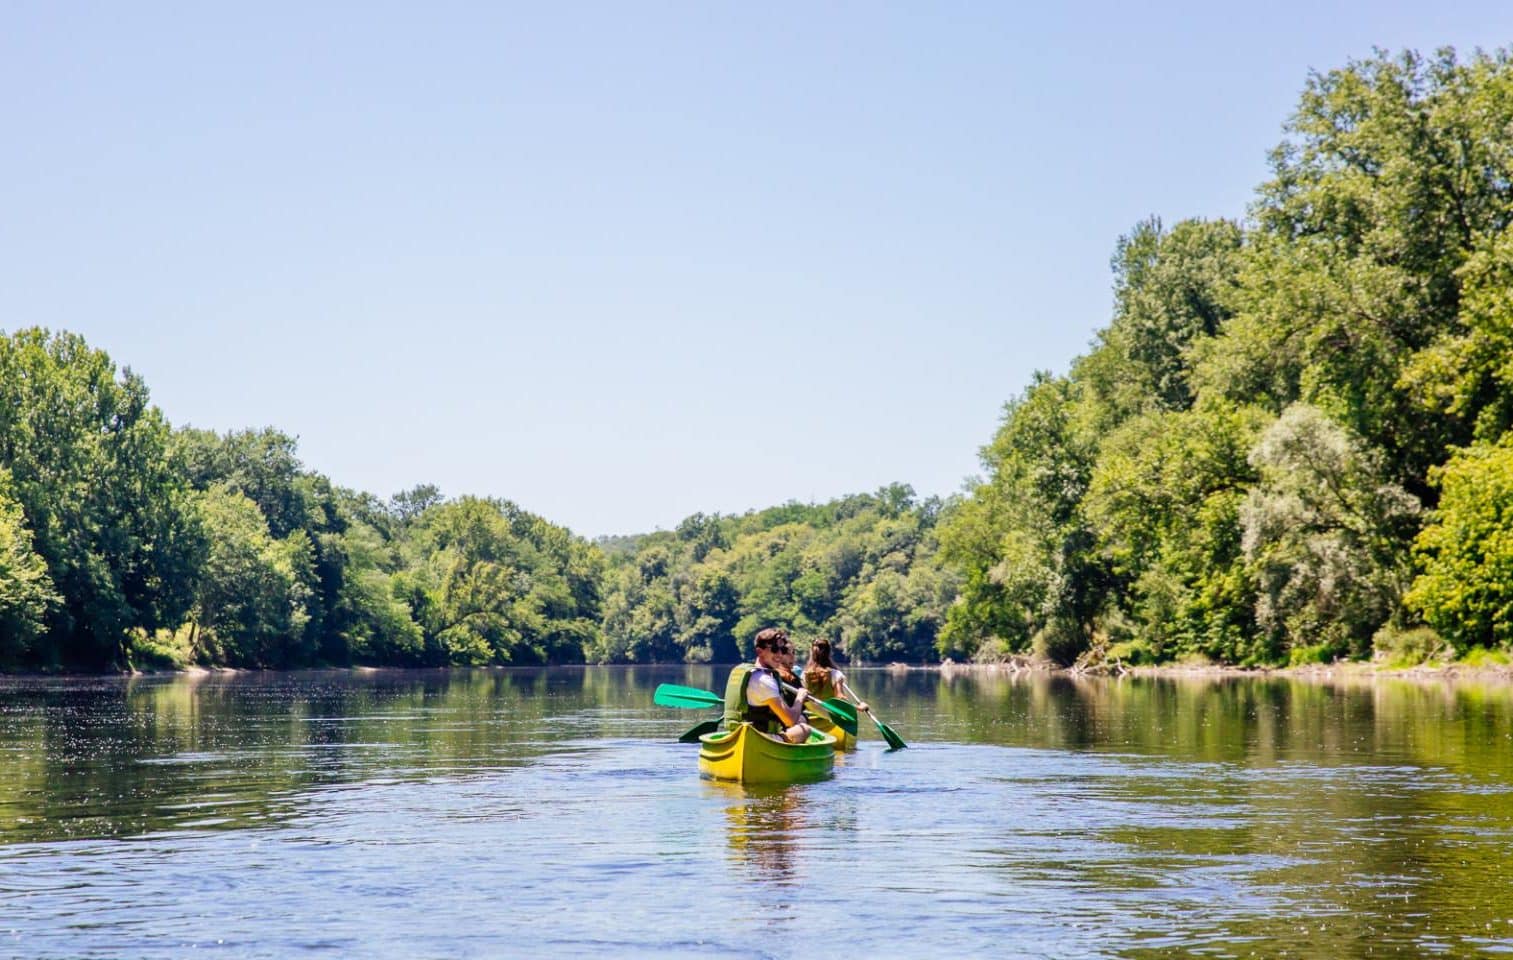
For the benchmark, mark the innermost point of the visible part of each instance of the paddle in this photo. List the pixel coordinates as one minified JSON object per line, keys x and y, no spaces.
{"x":689,"y":698}
{"x":838,"y":709}
{"x":694,"y":733}
{"x":895,"y":742}
{"x":692,"y":698}
{"x":842,"y":714}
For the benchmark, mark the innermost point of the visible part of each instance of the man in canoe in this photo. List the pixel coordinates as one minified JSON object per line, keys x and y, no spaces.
{"x":753,"y":694}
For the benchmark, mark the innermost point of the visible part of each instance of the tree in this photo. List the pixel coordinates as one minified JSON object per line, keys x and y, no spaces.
{"x":263,"y":465}
{"x":1466,"y":589}
{"x":495,"y":584}
{"x":250,"y":607}
{"x":1030,"y":575}
{"x":1165,"y":498}
{"x":26,"y":592}
{"x":1394,"y":170}
{"x":1326,"y":535}
{"x":87,"y":456}
{"x":408,"y":505}
{"x":1172,"y":289}
{"x":1466,"y":374}
{"x":369,"y":621}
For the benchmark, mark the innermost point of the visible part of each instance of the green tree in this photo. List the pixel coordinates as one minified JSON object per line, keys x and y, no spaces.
{"x":369,"y":621}
{"x":495,"y":584}
{"x":26,"y":592}
{"x":1466,"y":589}
{"x":262,"y":465}
{"x":87,"y":455}
{"x":1466,"y":374}
{"x":1165,"y":498}
{"x":250,"y":605}
{"x":407,"y":505}
{"x":1030,"y":575}
{"x":1326,"y":535}
{"x":1172,"y":289}
{"x":1393,"y":172}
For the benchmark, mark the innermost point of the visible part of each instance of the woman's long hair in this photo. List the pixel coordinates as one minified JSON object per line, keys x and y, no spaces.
{"x":817,"y":670}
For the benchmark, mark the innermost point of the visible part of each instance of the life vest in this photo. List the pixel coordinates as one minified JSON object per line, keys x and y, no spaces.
{"x":791,"y":680}
{"x":739,"y":710}
{"x":825,"y":689}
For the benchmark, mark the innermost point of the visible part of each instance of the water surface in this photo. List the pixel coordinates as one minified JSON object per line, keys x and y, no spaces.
{"x":552,"y":813}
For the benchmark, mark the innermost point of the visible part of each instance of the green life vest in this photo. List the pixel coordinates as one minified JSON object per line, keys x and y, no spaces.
{"x":824,"y":690}
{"x":739,"y":710}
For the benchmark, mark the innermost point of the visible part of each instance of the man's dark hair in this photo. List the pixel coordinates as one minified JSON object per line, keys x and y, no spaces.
{"x":771,"y":637}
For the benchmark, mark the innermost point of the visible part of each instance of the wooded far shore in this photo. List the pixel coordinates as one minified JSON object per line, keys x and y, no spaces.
{"x":1292,"y":444}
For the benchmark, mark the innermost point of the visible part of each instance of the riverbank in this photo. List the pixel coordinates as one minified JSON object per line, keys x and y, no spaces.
{"x":1340,"y":670}
{"x":1024,"y":665}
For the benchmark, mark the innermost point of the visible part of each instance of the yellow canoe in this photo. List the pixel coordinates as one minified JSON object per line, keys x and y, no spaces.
{"x":749,"y":756}
{"x":843,"y":741}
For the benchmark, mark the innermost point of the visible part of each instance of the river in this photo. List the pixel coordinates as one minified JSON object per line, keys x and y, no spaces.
{"x":551,"y":813}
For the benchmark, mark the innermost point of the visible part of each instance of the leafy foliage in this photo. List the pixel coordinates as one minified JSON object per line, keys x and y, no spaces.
{"x":1326,"y":536}
{"x":26,"y":591}
{"x":860,"y":571}
{"x":1466,"y":591}
{"x":108,"y":515}
{"x":1240,"y":469}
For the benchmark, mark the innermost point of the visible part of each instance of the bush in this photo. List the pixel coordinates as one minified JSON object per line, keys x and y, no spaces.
{"x":1482,"y":657}
{"x":993,"y":650}
{"x":1133,"y":652}
{"x":1309,"y":655}
{"x":160,"y":650}
{"x":1060,"y":641}
{"x":1399,"y":648}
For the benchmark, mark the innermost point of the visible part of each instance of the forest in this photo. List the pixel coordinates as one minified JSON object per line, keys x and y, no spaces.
{"x":1291,"y":443}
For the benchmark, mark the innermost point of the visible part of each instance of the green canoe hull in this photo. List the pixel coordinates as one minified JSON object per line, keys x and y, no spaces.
{"x":745,"y":755}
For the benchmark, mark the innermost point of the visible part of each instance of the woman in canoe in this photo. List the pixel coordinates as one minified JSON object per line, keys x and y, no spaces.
{"x":823,"y":680}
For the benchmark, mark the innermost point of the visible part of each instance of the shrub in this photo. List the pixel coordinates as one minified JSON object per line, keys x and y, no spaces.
{"x":1399,"y":648}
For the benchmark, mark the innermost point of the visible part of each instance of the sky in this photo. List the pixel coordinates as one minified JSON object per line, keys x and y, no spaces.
{"x":625,"y":262}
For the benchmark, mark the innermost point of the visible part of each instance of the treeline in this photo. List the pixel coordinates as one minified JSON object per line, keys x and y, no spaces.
{"x":863,"y":571}
{"x":124,"y":543}
{"x":1292,"y":442}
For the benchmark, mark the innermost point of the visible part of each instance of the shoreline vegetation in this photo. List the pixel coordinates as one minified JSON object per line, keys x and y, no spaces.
{"x":1291,"y":446}
{"x":1342,"y":671}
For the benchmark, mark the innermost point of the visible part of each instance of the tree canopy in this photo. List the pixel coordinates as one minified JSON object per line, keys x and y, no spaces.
{"x":1289,"y":443}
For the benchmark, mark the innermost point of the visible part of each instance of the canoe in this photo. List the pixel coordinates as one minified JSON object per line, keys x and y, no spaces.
{"x":749,"y":756}
{"x":845,"y":742}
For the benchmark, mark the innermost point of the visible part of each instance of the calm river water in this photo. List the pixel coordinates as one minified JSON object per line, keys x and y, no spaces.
{"x":526,"y":813}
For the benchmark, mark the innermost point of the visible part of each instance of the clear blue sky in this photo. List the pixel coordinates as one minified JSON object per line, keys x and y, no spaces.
{"x":625,"y":262}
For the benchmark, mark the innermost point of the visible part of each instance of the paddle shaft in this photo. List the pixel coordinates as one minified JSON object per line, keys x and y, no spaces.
{"x":895,"y":742}
{"x":810,"y":698}
{"x":838,"y":711}
{"x":692,"y":698}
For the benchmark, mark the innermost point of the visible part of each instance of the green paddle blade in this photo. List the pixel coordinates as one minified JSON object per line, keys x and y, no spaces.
{"x":841,"y":708}
{"x":836,"y":717}
{"x":688,"y":698}
{"x":841,"y":713}
{"x":694,"y":733}
{"x":847,"y":724}
{"x":895,"y":742}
